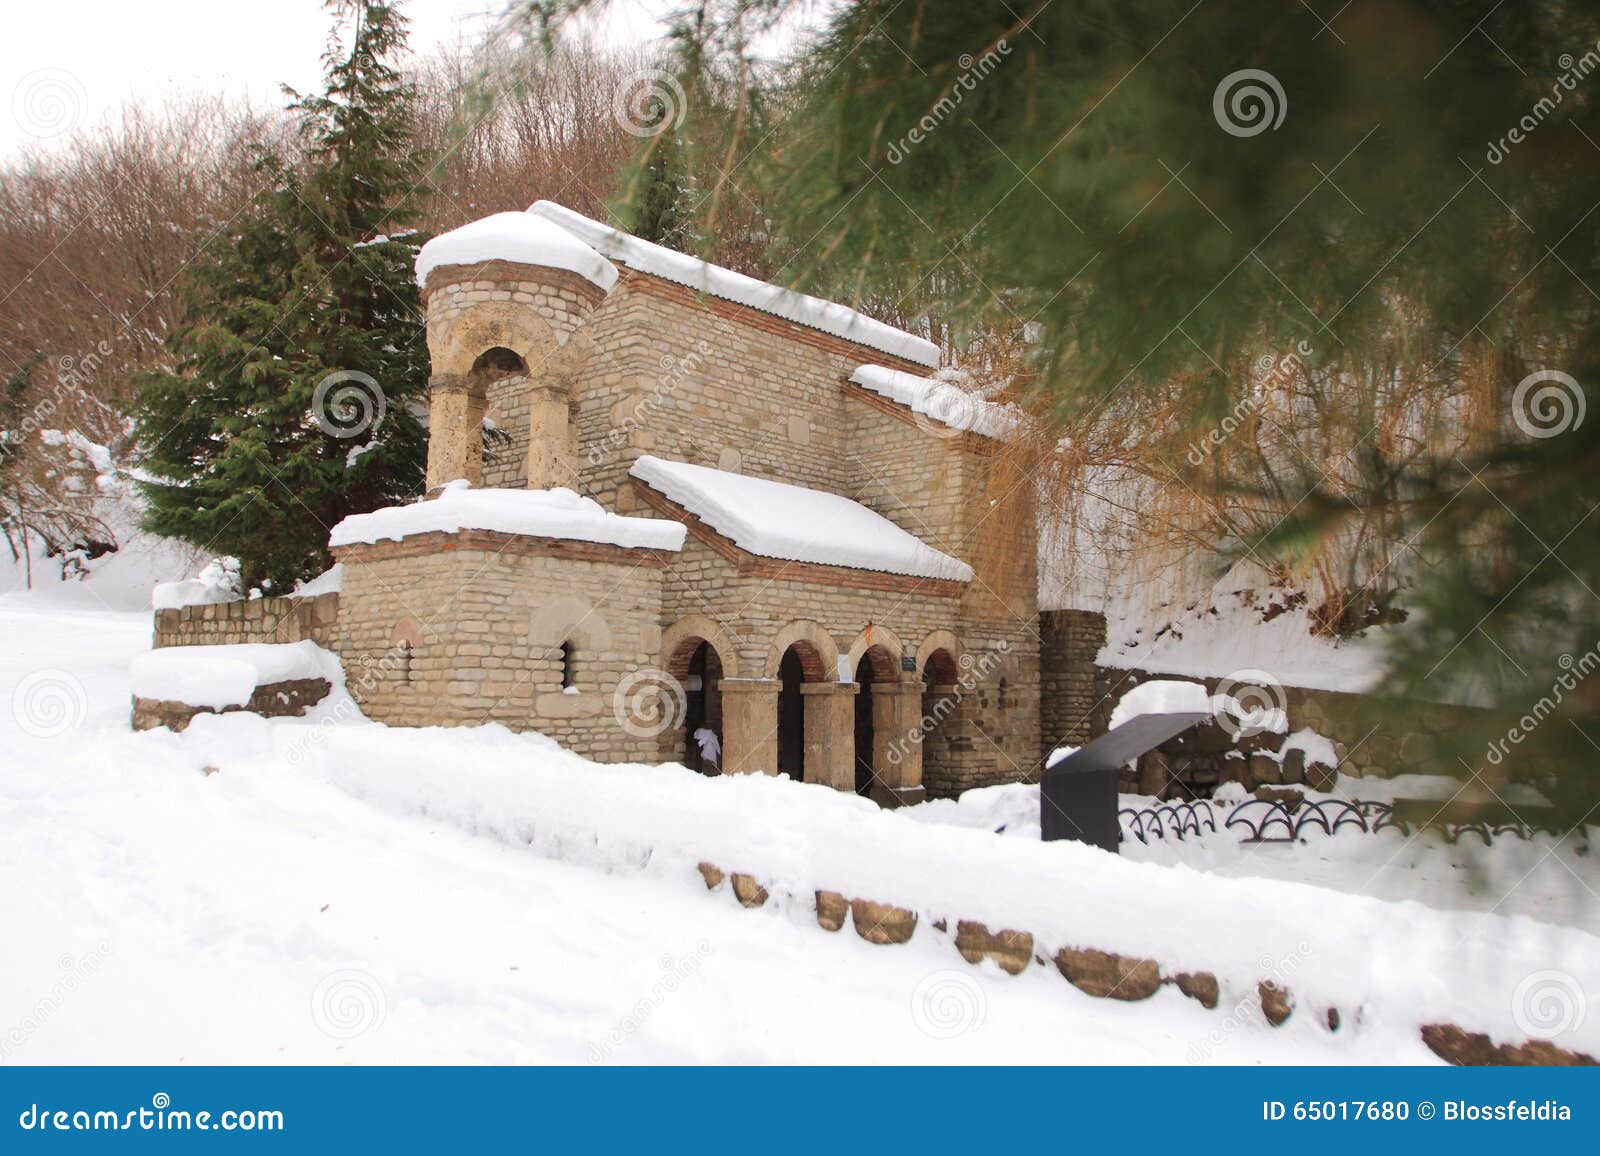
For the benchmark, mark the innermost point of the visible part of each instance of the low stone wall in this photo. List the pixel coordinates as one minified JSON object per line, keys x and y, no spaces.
{"x":1109,"y":975}
{"x":274,"y":700}
{"x":250,"y":620}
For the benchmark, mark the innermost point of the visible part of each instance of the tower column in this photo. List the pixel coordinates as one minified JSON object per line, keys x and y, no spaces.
{"x":455,"y":431}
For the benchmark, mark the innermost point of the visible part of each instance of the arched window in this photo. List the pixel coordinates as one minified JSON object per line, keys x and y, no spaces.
{"x":569,"y":653}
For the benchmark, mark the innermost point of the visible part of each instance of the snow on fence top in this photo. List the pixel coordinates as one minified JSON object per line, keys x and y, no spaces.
{"x":776,"y":520}
{"x":714,"y":280}
{"x":224,"y":676}
{"x":520,"y":237}
{"x":555,"y":513}
{"x":943,"y":402}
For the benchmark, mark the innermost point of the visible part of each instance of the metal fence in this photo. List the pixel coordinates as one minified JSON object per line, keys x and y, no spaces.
{"x":1264,"y":821}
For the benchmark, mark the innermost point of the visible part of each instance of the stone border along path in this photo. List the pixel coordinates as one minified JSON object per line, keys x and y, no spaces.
{"x":1107,"y":975}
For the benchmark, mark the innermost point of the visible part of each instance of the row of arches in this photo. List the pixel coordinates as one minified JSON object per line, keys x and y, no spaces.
{"x":863,"y":740}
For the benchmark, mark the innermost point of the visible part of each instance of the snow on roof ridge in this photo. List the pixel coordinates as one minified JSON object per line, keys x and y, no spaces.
{"x":518,"y":237}
{"x":947,"y":404}
{"x":704,"y":277}
{"x":778,"y":520}
{"x":554,"y":513}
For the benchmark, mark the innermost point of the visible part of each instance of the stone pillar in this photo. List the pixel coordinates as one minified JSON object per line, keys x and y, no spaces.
{"x":830,"y":733}
{"x":897,"y":743}
{"x":750,"y":725}
{"x":455,"y":431}
{"x":549,"y":452}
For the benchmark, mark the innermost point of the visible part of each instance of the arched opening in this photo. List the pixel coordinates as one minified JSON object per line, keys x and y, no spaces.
{"x":876,"y":667}
{"x":941,"y":698}
{"x":791,"y":716}
{"x":801,"y":663}
{"x":699,"y":669}
{"x":496,"y":376}
{"x":702,"y":716}
{"x":497,"y":364}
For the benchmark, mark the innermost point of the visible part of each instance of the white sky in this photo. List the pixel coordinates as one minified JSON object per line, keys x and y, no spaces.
{"x":70,"y":62}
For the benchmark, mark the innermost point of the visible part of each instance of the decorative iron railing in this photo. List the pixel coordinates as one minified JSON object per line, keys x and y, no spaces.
{"x":1270,"y":821}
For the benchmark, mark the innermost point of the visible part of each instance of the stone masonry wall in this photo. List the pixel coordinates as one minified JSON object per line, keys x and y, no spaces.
{"x":449,"y":630}
{"x":274,"y":700}
{"x":1069,"y":642}
{"x":251,"y":620}
{"x":700,"y":380}
{"x":1079,"y":697}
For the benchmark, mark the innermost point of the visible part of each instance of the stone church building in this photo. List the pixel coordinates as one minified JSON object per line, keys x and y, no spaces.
{"x":704,"y":520}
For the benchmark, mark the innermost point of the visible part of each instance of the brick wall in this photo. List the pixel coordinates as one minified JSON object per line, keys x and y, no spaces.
{"x":460,"y":629}
{"x":250,"y":620}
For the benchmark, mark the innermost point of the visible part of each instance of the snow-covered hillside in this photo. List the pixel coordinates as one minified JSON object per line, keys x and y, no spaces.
{"x":338,"y":891}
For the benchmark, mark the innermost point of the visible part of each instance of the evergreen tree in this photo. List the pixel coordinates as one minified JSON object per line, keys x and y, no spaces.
{"x":658,"y":212}
{"x":302,"y":357}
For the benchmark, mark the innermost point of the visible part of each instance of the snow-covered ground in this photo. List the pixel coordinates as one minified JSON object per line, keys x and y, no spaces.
{"x":154,"y":913}
{"x":277,"y":910}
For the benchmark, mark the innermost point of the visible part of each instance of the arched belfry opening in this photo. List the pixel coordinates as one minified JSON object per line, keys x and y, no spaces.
{"x":497,"y":364}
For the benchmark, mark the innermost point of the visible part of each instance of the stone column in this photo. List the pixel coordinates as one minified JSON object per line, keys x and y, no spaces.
{"x":455,"y":431}
{"x":549,"y":454}
{"x":897,"y":742}
{"x":750,"y":725}
{"x":830,"y":733}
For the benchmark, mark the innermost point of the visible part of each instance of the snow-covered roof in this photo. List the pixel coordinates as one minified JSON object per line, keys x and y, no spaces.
{"x":223,"y":676}
{"x":714,"y":280}
{"x":776,"y":520}
{"x":520,"y":237}
{"x":557,"y":513}
{"x":942,"y":401}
